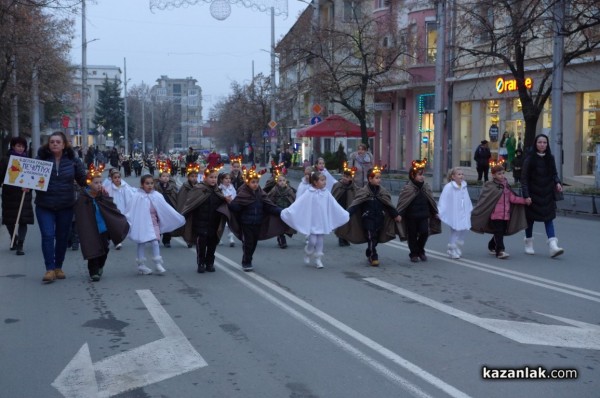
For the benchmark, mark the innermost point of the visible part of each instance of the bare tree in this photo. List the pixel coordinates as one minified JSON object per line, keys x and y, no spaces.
{"x":244,"y":114}
{"x":348,"y":58}
{"x":517,"y":35}
{"x":32,"y":39}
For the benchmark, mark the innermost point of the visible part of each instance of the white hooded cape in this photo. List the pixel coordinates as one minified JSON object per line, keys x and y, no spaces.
{"x":315,"y":212}
{"x":121,"y":195}
{"x":138,"y":215}
{"x":455,"y":206}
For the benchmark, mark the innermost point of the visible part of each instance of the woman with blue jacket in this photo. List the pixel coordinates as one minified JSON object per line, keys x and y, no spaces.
{"x":54,"y":207}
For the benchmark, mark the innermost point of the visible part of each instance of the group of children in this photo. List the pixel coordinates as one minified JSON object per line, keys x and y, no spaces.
{"x":210,"y":203}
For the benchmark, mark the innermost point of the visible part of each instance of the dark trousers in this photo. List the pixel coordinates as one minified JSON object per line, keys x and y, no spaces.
{"x":166,"y":238}
{"x":249,"y":241}
{"x":372,"y":241}
{"x":21,"y":232}
{"x":417,"y":231}
{"x":482,"y":170}
{"x":497,"y":242}
{"x":94,"y":264}
{"x":206,"y":245}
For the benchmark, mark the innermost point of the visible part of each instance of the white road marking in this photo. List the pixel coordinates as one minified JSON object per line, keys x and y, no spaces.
{"x":153,"y":362}
{"x":580,"y":335}
{"x":377,"y":366}
{"x":510,"y":274}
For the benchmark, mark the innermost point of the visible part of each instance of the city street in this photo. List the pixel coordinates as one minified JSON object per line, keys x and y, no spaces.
{"x":402,"y":329}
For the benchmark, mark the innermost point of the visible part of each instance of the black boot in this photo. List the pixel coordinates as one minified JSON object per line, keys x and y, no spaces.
{"x":20,"y":251}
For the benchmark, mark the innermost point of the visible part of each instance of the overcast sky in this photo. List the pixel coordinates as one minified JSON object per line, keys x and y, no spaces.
{"x":181,"y":42}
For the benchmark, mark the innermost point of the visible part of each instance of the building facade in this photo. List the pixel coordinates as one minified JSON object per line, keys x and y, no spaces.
{"x":96,"y":74}
{"x":185,"y":96}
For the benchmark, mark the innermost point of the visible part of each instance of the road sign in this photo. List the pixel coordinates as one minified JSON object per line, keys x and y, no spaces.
{"x":266,"y":134}
{"x":272,"y":124}
{"x":382,"y":106}
{"x":317,"y":109}
{"x":315,"y":120}
{"x":272,"y":133}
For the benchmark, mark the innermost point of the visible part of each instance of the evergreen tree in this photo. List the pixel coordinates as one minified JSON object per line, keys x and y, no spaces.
{"x":109,"y":108}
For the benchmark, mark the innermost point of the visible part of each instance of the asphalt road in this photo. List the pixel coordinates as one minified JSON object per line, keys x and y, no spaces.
{"x":289,"y":330}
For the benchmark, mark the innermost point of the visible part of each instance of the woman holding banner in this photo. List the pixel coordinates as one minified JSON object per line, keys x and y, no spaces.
{"x":11,"y":199}
{"x":54,"y":207}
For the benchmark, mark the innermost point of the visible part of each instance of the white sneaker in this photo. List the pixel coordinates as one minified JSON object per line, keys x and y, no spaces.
{"x":143,"y":270}
{"x":502,"y":255}
{"x":318,"y":263}
{"x":306,"y":259}
{"x":160,"y":268}
{"x":118,"y":247}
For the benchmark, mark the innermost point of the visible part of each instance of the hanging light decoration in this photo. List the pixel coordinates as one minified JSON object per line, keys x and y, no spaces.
{"x":220,"y":9}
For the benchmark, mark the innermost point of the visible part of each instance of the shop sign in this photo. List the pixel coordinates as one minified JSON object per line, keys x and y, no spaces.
{"x":494,"y":131}
{"x":503,"y":85}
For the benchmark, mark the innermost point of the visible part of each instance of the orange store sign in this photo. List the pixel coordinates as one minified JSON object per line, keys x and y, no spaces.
{"x":503,"y":85}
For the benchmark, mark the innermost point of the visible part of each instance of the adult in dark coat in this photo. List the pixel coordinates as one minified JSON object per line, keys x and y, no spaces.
{"x":540,"y":182}
{"x":54,"y":207}
{"x":11,"y":198}
{"x":113,"y":158}
{"x":482,"y":160}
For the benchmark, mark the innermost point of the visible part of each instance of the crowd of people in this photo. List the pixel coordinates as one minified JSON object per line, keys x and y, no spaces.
{"x":212,"y":204}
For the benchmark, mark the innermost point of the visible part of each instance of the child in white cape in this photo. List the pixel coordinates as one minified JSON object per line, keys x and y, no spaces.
{"x":121,"y":193}
{"x":455,"y":208}
{"x":315,"y":213}
{"x":229,"y":191}
{"x":149,"y":215}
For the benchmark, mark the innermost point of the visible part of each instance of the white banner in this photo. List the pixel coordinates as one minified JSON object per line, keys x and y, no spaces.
{"x":28,"y":173}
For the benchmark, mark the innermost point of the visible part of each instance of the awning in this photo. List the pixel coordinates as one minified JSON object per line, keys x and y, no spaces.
{"x":333,"y":126}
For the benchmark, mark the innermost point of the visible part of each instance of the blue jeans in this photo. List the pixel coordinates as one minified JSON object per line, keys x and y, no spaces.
{"x":549,"y":225}
{"x":55,"y":226}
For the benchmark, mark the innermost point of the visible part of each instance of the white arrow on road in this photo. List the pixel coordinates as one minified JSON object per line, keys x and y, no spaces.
{"x":153,"y":362}
{"x":580,"y":335}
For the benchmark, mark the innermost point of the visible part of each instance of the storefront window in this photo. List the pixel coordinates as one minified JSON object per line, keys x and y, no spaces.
{"x":465,"y":134}
{"x":425,"y":114}
{"x":547,"y":115}
{"x":590,"y":131}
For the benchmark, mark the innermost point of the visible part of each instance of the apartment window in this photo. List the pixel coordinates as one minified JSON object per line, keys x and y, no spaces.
{"x":382,"y":4}
{"x":161,"y":92}
{"x":485,"y":23}
{"x":177,"y":90}
{"x":192,"y":93}
{"x":192,"y":101}
{"x":351,"y":11}
{"x":431,"y":44}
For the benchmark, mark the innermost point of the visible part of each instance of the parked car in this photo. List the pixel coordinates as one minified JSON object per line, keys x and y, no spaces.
{"x":224,"y":157}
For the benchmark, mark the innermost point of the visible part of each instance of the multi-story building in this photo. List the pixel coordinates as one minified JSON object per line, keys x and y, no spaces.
{"x":473,"y":102}
{"x":96,"y":74}
{"x":186,"y":98}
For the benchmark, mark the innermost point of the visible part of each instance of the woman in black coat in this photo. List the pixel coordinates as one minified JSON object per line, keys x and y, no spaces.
{"x":540,"y":182}
{"x":11,"y":198}
{"x":54,"y":207}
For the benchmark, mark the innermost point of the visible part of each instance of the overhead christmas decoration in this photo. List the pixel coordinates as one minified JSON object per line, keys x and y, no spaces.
{"x":221,"y":9}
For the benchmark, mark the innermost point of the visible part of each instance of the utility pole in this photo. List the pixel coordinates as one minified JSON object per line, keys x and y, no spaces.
{"x":273,"y":85}
{"x":35,"y":112}
{"x":125,"y":106}
{"x":557,"y":86}
{"x":438,"y":134}
{"x":84,"y":120}
{"x":14,"y":104}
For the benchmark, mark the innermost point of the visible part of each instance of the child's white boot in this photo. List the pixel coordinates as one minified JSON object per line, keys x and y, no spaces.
{"x":529,"y":246}
{"x":453,"y":251}
{"x":318,"y":262}
{"x":459,"y":243}
{"x":307,"y":254}
{"x":142,"y":269}
{"x":231,"y":241}
{"x":158,"y":264}
{"x":553,"y":248}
